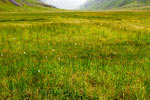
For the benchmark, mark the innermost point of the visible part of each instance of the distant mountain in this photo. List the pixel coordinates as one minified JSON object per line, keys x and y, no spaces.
{"x":10,"y":5}
{"x":112,"y":4}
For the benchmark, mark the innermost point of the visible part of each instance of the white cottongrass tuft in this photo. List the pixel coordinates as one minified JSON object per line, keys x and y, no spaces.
{"x":1,"y":55}
{"x":53,"y":50}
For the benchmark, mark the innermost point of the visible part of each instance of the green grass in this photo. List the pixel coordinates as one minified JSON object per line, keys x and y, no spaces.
{"x":75,"y":55}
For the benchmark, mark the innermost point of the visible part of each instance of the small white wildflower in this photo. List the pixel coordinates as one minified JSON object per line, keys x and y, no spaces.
{"x":114,"y":53}
{"x":53,"y":50}
{"x":1,"y":55}
{"x":90,"y":55}
{"x":25,"y":69}
{"x":39,"y":71}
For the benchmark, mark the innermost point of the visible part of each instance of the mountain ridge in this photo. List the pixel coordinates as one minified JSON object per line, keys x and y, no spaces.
{"x":112,"y":4}
{"x":12,"y":5}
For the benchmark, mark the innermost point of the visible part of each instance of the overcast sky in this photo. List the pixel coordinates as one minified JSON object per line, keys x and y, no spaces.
{"x":65,"y":4}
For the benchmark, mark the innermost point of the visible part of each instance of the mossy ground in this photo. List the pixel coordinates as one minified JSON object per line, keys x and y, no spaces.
{"x":75,"y":55}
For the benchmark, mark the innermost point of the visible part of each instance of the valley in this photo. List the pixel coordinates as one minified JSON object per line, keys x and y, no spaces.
{"x":54,"y":54}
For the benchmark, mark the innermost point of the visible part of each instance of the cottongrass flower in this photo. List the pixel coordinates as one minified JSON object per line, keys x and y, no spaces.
{"x":2,"y":55}
{"x":114,"y":53}
{"x":53,"y":50}
{"x":59,"y":58}
{"x":90,"y":56}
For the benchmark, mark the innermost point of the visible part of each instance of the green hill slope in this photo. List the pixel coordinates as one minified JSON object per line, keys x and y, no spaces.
{"x":23,"y":5}
{"x":112,"y":4}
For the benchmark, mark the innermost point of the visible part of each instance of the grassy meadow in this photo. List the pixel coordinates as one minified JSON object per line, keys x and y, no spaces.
{"x":75,"y":55}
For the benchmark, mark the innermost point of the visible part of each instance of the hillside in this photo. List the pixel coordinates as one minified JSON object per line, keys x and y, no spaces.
{"x":113,"y":4}
{"x":17,"y":5}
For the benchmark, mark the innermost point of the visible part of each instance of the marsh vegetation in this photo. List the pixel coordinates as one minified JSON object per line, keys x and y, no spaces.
{"x":75,"y":55}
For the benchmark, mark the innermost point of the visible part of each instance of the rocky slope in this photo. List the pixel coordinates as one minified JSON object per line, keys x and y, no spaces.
{"x":111,"y":4}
